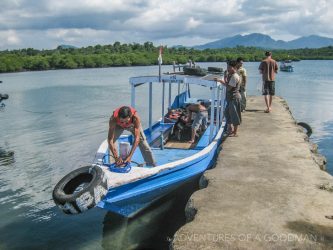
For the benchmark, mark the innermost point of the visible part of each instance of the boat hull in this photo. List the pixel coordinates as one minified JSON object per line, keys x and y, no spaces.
{"x":288,"y":68}
{"x":131,"y":198}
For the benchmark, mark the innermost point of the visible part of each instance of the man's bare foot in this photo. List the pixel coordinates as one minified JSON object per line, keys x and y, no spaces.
{"x":267,"y":110}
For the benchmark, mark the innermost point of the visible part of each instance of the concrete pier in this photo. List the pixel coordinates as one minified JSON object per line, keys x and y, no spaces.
{"x":266,"y":191}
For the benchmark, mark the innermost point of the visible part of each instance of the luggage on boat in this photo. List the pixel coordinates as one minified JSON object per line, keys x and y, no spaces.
{"x":181,"y":131}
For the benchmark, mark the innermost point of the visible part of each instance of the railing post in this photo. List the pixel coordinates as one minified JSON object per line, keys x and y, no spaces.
{"x":163,"y":94}
{"x":150,"y":105}
{"x":133,"y":95}
{"x":218,"y":109}
{"x":222,"y":102}
{"x":178,"y":94}
{"x":169,"y":101}
{"x":212,"y":116}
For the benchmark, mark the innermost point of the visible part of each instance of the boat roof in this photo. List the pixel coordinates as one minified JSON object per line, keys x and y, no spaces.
{"x":206,"y":81}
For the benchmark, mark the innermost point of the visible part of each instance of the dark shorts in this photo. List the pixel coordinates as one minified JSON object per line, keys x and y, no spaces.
{"x":268,"y":88}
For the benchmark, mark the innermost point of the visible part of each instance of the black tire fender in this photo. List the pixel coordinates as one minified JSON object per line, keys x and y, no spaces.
{"x":307,"y":127}
{"x":80,"y":190}
{"x":4,"y":97}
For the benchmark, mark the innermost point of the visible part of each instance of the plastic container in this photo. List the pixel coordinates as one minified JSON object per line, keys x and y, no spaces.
{"x":124,"y":149}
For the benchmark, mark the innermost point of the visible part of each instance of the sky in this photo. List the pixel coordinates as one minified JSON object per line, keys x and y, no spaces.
{"x":45,"y":24}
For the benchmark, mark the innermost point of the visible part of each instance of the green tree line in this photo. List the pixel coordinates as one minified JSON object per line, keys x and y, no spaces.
{"x":136,"y":54}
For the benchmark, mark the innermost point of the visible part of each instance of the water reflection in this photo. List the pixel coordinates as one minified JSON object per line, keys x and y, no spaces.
{"x":153,"y":227}
{"x":325,"y":144}
{"x":6,"y":157}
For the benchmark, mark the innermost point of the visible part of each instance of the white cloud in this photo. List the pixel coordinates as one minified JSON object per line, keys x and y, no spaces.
{"x":45,"y":23}
{"x":192,"y":23}
{"x":10,"y":38}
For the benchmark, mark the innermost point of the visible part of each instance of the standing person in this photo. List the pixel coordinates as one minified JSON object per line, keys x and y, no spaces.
{"x":268,"y":68}
{"x":233,"y":109}
{"x":126,"y":118}
{"x":241,"y":71}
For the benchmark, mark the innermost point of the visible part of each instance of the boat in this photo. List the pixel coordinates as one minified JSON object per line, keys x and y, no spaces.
{"x":129,"y":192}
{"x":286,"y":66}
{"x":3,"y":97}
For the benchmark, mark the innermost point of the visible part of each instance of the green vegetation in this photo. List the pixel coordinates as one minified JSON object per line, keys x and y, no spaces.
{"x":138,"y":55}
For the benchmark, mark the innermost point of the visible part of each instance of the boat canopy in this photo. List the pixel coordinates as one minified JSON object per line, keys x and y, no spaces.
{"x":217,"y":94}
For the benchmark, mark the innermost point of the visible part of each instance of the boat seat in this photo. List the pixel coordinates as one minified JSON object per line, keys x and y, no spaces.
{"x":204,"y":139}
{"x":156,"y":133}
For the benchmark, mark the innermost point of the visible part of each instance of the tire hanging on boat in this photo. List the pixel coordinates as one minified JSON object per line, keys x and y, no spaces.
{"x":80,"y":190}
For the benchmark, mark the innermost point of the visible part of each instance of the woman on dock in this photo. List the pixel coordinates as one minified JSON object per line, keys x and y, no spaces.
{"x":233,"y":108}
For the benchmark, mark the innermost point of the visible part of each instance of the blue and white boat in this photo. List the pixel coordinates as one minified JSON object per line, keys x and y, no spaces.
{"x":130,"y":192}
{"x":286,"y":66}
{"x":3,"y":97}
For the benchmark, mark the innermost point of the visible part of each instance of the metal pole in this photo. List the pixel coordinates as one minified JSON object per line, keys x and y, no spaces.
{"x":186,"y":90}
{"x":212,"y":116}
{"x":150,"y":106}
{"x":133,"y":96}
{"x":178,"y":94}
{"x":169,"y":106}
{"x":159,"y":72}
{"x":218,"y":109}
{"x":163,"y":94}
{"x":222,"y":102}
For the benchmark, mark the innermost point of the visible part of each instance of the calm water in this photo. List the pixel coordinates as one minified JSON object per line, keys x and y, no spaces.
{"x":54,"y":121}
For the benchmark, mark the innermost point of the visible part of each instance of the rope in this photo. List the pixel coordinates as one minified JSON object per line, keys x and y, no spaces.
{"x":115,"y":168}
{"x":120,"y":169}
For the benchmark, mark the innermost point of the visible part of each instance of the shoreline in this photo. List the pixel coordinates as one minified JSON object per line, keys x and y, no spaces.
{"x":150,"y":65}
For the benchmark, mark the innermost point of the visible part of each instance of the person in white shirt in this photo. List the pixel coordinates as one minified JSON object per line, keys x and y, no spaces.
{"x":233,"y":108}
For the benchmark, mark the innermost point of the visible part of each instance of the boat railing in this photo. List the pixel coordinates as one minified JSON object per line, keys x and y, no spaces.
{"x":217,"y":95}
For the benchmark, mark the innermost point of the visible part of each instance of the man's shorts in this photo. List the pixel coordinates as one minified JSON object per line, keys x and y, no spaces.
{"x":268,"y":88}
{"x":201,"y":119}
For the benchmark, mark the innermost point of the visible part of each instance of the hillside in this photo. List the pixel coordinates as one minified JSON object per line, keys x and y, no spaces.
{"x":264,"y":41}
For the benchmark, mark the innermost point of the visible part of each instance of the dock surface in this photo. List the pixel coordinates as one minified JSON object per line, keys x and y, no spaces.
{"x":266,"y":191}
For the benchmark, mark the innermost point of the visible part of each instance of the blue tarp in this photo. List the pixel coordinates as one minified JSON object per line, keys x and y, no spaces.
{"x":180,"y":100}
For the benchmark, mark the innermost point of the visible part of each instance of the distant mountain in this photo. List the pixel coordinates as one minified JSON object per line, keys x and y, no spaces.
{"x":311,"y":42}
{"x":265,"y":41}
{"x":65,"y":46}
{"x":178,"y":46}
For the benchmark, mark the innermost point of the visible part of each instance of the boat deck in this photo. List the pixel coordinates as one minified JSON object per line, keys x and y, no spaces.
{"x":167,"y":155}
{"x":173,"y":150}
